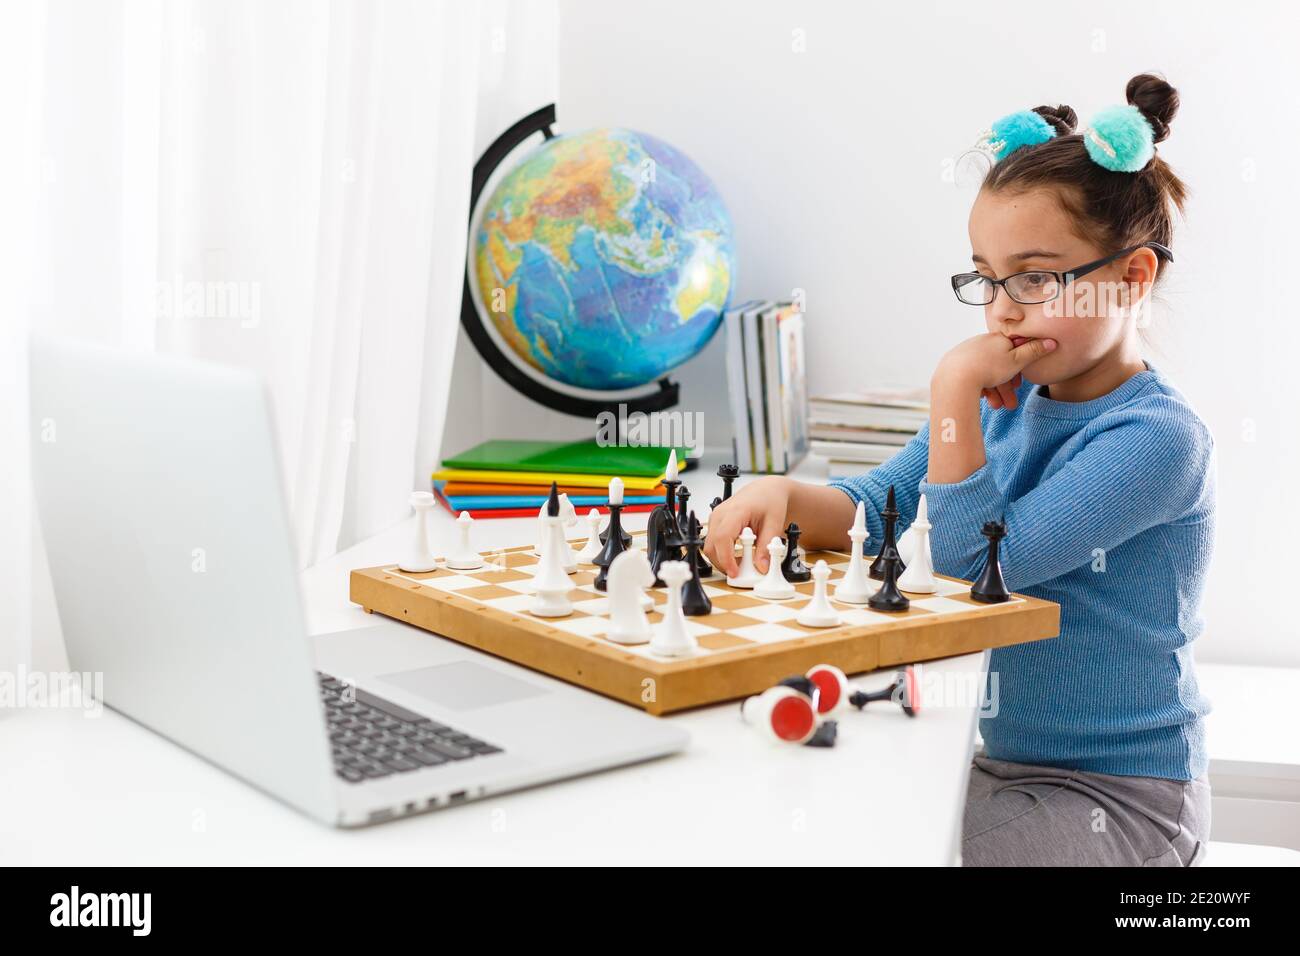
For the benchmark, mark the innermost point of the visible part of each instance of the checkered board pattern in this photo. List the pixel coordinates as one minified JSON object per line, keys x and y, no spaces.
{"x":745,"y":645}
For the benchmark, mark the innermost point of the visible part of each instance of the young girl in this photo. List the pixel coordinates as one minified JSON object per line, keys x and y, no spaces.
{"x":1104,"y":475}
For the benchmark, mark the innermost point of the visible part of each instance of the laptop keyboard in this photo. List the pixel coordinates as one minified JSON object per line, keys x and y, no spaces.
{"x":372,"y":737}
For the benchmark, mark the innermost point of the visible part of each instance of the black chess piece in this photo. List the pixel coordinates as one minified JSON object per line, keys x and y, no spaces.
{"x":889,"y":598}
{"x":728,"y":474}
{"x":662,"y":540}
{"x":627,"y":537}
{"x":989,"y":588}
{"x":904,"y":691}
{"x":792,"y":566}
{"x":652,"y":543}
{"x":890,"y":514}
{"x":695,"y":603}
{"x":702,"y":566}
{"x":614,"y":545}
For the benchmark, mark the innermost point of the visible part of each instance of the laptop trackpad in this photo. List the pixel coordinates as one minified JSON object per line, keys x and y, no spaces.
{"x":463,"y":685}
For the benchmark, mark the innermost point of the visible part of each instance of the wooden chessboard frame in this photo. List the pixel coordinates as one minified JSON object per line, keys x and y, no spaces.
{"x":662,"y":686}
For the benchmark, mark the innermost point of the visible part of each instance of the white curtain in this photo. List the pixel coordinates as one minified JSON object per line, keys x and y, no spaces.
{"x":278,"y":184}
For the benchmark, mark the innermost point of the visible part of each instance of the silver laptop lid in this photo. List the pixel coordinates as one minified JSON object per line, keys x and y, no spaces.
{"x":160,"y":499}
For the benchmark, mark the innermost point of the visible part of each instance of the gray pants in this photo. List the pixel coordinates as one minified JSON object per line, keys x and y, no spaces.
{"x":1026,"y":815}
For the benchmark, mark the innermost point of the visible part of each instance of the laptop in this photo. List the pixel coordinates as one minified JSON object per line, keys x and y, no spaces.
{"x":160,"y":499}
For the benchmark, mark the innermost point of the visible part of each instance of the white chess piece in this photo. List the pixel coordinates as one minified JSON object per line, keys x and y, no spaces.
{"x":420,"y":557}
{"x":855,"y":587}
{"x":774,"y":586}
{"x":671,"y":637}
{"x":550,"y":581}
{"x":627,"y":580}
{"x":593,"y":546}
{"x":919,"y":575}
{"x":570,"y":515}
{"x":818,"y":612}
{"x":747,"y":576}
{"x":464,"y":558}
{"x":907,"y":540}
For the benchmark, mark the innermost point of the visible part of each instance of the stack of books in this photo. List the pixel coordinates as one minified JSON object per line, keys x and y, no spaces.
{"x":859,"y":430}
{"x":512,"y":479}
{"x":767,"y":385}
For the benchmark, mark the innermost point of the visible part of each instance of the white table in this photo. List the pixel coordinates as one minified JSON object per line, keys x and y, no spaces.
{"x":103,"y":791}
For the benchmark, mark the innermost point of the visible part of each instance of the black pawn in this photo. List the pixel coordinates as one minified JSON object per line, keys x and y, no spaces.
{"x":728,"y":474}
{"x":889,"y":598}
{"x":701,"y":563}
{"x":890,"y":514}
{"x":792,"y":566}
{"x":614,"y":545}
{"x":695,"y":603}
{"x":990,"y":588}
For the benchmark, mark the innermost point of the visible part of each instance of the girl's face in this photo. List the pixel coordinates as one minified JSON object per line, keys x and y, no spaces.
{"x":1020,"y":232}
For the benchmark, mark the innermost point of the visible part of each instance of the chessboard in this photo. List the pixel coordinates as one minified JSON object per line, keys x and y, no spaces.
{"x":746,"y":644}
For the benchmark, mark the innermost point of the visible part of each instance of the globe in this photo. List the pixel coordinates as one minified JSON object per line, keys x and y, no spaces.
{"x":604,"y":259}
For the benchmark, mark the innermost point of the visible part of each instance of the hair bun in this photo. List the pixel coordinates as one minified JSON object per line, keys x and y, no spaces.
{"x":1061,"y":118}
{"x":1156,"y":100}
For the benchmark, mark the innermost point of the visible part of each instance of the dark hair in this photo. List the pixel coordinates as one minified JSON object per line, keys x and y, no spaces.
{"x":1117,"y":210}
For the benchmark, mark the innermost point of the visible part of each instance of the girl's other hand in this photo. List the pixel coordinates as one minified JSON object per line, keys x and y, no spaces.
{"x":992,"y":363}
{"x":760,"y":506}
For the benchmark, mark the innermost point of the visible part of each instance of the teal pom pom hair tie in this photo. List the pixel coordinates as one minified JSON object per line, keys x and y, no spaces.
{"x":1120,"y":139}
{"x":1013,"y":131}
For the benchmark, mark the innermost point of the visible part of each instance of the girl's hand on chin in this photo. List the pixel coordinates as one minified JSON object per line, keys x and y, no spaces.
{"x":990,"y":365}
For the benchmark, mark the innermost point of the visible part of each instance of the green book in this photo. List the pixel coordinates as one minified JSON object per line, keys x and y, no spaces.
{"x":557,"y":457}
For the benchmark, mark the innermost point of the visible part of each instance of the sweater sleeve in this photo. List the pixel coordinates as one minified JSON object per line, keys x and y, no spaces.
{"x":904,"y":471}
{"x":1148,"y":468}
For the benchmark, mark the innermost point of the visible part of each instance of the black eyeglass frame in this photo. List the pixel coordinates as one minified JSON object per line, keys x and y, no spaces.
{"x":1062,"y":278}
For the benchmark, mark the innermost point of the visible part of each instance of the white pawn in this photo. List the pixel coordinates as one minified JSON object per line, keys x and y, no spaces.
{"x":671,"y":637}
{"x":747,"y":576}
{"x":464,"y":558}
{"x":907,"y":540}
{"x":854,"y":587}
{"x":627,"y":580}
{"x":919,"y":575}
{"x":774,"y":586}
{"x":593,"y":546}
{"x":420,"y":557}
{"x":568,"y":559}
{"x":551,"y":583}
{"x":818,"y":612}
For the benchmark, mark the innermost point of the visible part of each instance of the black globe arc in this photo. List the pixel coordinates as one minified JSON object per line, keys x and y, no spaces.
{"x":663,"y":394}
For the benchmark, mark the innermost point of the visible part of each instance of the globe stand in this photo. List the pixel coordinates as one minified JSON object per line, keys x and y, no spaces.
{"x":664,"y":394}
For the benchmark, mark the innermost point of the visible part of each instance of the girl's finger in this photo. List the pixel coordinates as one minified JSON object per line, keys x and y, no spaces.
{"x":1008,"y":395}
{"x":719,"y":546}
{"x":769,"y":528}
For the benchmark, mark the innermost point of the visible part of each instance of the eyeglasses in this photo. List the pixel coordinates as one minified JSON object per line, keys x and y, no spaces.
{"x":1040,"y":285}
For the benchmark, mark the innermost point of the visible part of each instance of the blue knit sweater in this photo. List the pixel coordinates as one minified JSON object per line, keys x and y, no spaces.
{"x":1109,"y":506}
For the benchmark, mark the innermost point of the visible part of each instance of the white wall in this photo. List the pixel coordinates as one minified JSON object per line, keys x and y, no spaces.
{"x":832,"y":162}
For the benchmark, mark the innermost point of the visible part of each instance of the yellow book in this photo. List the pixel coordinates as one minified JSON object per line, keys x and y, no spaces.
{"x":535,"y":477}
